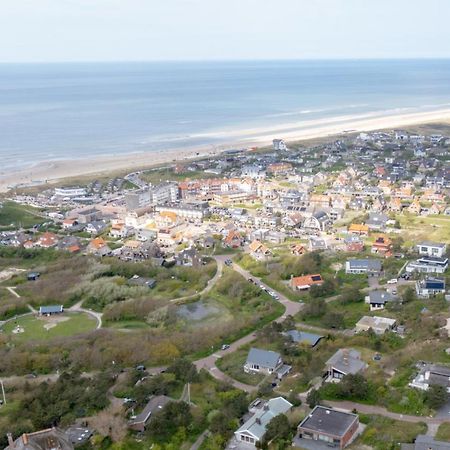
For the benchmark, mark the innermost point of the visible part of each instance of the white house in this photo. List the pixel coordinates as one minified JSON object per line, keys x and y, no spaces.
{"x":432,"y":249}
{"x":254,"y":429}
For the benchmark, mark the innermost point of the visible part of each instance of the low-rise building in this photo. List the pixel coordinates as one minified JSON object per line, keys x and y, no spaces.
{"x":430,"y":374}
{"x":428,"y":264}
{"x":363,"y":266}
{"x":432,"y":249}
{"x":155,"y":404}
{"x":430,"y":287}
{"x":424,"y":442}
{"x":51,"y":438}
{"x":306,"y":281}
{"x":379,"y":325}
{"x":302,"y":337}
{"x":329,"y":426}
{"x":267,"y":362}
{"x":344,"y":362}
{"x":378,"y":299}
{"x":254,"y":429}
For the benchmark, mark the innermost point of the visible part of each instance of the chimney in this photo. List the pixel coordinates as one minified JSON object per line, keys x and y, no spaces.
{"x":25,"y":438}
{"x":258,"y":421}
{"x":10,"y":440}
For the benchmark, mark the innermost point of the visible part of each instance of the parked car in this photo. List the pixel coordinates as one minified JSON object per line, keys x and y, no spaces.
{"x":225,"y":347}
{"x":392,"y":281}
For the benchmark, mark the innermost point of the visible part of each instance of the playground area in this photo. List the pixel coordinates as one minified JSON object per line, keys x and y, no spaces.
{"x":35,"y":327}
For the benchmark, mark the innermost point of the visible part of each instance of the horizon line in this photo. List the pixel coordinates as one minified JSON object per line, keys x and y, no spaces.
{"x":231,"y":60}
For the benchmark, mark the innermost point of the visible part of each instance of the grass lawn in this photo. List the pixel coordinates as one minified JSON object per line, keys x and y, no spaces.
{"x":13,"y":214}
{"x":233,"y":365}
{"x":33,"y":327}
{"x":380,"y":431}
{"x":431,"y":228}
{"x":443,"y":433}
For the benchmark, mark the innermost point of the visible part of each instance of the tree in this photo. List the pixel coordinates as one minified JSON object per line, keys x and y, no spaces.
{"x":183,"y":370}
{"x":333,"y":320}
{"x":278,"y":428}
{"x":166,"y":422}
{"x":313,"y":398}
{"x":354,"y":386}
{"x":436,"y":396}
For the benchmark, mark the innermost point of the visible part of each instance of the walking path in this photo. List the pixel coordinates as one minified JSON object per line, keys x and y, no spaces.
{"x":211,"y":283}
{"x":209,"y":362}
{"x":379,"y":410}
{"x":13,"y":291}
{"x":96,"y":315}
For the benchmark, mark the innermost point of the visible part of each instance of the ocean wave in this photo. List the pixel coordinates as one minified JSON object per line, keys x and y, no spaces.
{"x":318,"y":110}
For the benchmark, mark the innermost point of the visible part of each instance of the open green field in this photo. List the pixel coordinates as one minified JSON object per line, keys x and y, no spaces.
{"x":430,"y":228}
{"x":13,"y":215}
{"x":36,"y":328}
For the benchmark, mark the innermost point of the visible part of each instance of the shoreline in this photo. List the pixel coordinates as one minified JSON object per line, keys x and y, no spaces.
{"x":57,"y":170}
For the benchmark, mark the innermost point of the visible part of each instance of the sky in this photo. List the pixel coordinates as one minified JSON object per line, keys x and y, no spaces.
{"x":122,"y":30}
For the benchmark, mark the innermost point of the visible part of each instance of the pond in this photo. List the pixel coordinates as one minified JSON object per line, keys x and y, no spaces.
{"x":197,"y":311}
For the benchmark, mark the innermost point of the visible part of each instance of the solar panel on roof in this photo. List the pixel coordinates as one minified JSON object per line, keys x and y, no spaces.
{"x":316,"y":278}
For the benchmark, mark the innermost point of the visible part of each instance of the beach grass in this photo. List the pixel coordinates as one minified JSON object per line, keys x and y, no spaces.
{"x":13,"y":215}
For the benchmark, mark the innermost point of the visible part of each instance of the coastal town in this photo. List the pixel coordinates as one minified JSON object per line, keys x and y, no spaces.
{"x":294,"y":296}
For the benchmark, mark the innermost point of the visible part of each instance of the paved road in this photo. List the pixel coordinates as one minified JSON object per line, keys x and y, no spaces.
{"x":96,"y":315}
{"x":371,"y":409}
{"x":209,"y":363}
{"x":211,"y":283}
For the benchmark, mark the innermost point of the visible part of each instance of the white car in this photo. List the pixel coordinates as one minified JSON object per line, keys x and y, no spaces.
{"x":392,"y":281}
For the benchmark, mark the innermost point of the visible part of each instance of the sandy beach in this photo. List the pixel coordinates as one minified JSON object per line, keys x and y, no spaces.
{"x":55,"y":171}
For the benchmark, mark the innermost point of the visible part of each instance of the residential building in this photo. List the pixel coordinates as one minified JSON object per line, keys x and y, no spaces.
{"x":377,"y":221}
{"x":424,"y":442}
{"x":379,"y":325}
{"x":430,"y":374}
{"x":429,"y":287}
{"x":359,"y":229}
{"x":319,"y":221}
{"x":330,"y":426}
{"x":259,"y":251}
{"x":377,"y":299}
{"x":302,"y":337}
{"x":306,"y":281}
{"x":137,"y":199}
{"x":428,"y":264}
{"x":137,"y":280}
{"x":344,"y":362}
{"x":432,"y":249}
{"x":382,"y":246}
{"x":254,"y":429}
{"x":267,"y":362}
{"x":155,"y":404}
{"x":49,"y":439}
{"x":353,"y":243}
{"x":363,"y":266}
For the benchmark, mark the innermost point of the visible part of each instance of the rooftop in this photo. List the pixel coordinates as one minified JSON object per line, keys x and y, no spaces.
{"x":328,"y":420}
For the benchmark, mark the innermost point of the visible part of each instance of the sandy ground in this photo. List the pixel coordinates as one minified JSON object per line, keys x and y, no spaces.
{"x":53,"y":171}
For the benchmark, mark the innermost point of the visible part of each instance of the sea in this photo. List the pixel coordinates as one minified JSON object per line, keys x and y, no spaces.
{"x":78,"y":110}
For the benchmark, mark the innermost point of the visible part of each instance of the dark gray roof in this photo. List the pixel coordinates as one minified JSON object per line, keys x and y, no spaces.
{"x":347,"y":361}
{"x":154,"y":405}
{"x":431,"y":244}
{"x":380,"y":297}
{"x":264,"y":358}
{"x":428,"y":443}
{"x":367,"y":264}
{"x":329,"y":421}
{"x":301,"y":336}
